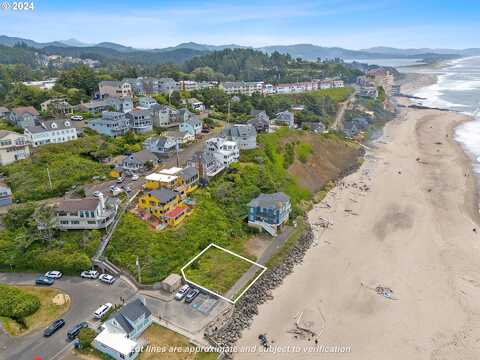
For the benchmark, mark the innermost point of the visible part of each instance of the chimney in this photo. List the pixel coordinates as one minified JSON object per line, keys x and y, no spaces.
{"x":102,"y":201}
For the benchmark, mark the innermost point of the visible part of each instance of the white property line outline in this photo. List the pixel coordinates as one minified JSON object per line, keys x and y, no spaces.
{"x":264,"y":268}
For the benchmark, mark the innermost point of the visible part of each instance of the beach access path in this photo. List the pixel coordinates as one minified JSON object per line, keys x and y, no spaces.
{"x":404,"y":220}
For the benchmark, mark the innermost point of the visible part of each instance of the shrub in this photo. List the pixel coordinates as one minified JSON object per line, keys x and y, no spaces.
{"x":86,"y":336}
{"x":16,"y":303}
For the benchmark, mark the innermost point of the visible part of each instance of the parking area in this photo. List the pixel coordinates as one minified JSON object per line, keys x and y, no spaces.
{"x":85,"y":295}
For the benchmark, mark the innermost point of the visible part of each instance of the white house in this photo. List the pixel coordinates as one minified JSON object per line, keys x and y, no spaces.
{"x":180,"y":136}
{"x":51,"y":132}
{"x":285,"y":118}
{"x":225,"y":151}
{"x":85,"y":214}
{"x":120,"y":333}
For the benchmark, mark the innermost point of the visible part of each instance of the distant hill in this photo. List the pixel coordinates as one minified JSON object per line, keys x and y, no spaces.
{"x":114,"y":46}
{"x":202,"y":47}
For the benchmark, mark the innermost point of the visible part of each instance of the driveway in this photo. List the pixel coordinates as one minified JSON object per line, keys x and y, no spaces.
{"x":85,"y":296}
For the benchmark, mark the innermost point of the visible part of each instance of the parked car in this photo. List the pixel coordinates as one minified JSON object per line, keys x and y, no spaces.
{"x":191,"y":295}
{"x":89,"y":274}
{"x":135,"y":177}
{"x":97,"y":193}
{"x":53,"y":327}
{"x":107,"y":278}
{"x":73,"y":332}
{"x":120,"y":180}
{"x":76,"y":117}
{"x":102,"y":310}
{"x":54,"y":274}
{"x":182,"y":292}
{"x":127,"y":188}
{"x":44,"y":280}
{"x":116,"y":191}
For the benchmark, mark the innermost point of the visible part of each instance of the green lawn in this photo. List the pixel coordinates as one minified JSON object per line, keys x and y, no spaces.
{"x":217,"y":270}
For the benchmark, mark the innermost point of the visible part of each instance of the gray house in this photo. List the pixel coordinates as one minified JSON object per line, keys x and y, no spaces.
{"x":138,"y":161}
{"x":24,"y":116}
{"x":189,"y":122}
{"x":244,"y":135}
{"x":160,"y":145}
{"x":261,"y":122}
{"x":110,"y":124}
{"x":164,"y":116}
{"x":124,"y":105}
{"x":285,"y":118}
{"x":140,"y":120}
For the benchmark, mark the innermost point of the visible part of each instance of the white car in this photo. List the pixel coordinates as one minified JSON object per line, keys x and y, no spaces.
{"x":182,"y":292}
{"x":89,"y":274}
{"x":116,"y":191}
{"x":97,"y":193}
{"x":135,"y":177}
{"x":106,"y":278}
{"x":54,"y":274}
{"x":76,"y":118}
{"x":102,"y":310}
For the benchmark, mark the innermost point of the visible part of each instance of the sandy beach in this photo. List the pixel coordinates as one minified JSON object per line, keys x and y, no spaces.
{"x":411,"y":231}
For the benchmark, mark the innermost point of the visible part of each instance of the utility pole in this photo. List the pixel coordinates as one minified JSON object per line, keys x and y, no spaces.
{"x":137,"y":262}
{"x":228,"y":114}
{"x":49,"y":179}
{"x":178,"y":159}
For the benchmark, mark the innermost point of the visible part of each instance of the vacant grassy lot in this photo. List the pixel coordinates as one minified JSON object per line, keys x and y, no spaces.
{"x":48,"y":312}
{"x":217,"y":270}
{"x":159,"y":336}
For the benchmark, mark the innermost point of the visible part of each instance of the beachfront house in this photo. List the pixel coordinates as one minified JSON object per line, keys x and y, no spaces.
{"x":244,"y":135}
{"x":269,"y":212}
{"x":85,"y":214}
{"x":13,"y":147}
{"x":158,"y":202}
{"x":50,"y":132}
{"x":111,"y":123}
{"x":225,"y":151}
{"x":119,"y":334}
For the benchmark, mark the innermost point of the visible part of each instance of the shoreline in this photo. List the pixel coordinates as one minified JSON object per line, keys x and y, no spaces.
{"x":426,"y":200}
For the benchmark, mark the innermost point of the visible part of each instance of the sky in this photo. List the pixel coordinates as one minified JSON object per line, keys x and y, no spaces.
{"x":353,"y":24}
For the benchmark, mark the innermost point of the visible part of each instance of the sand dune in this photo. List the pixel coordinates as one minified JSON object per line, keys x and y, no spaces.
{"x":412,"y":231}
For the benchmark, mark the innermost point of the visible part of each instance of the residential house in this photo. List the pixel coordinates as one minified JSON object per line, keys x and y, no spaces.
{"x":115,"y":89}
{"x":13,"y":147}
{"x":261,"y":122}
{"x":189,"y":122}
{"x":160,"y":180}
{"x":196,"y":104}
{"x":223,"y":150}
{"x":111,"y":123}
{"x":269,"y":212}
{"x":337,"y":83}
{"x":241,"y":87}
{"x":138,"y":85}
{"x":158,"y":202}
{"x":140,"y":121}
{"x":146,"y":102}
{"x":285,"y":118}
{"x":119,"y":336}
{"x":315,"y":127}
{"x":189,"y":181}
{"x":85,"y":214}
{"x":4,"y":112}
{"x":175,"y":216}
{"x":180,"y":137}
{"x":167,"y":85}
{"x":160,"y":145}
{"x":24,"y":116}
{"x":51,"y":132}
{"x":368,"y":92}
{"x":57,"y":106}
{"x":244,"y":135}
{"x":394,"y":91}
{"x":188,"y":85}
{"x":6,"y":197}
{"x":164,"y":116}
{"x":139,"y":161}
{"x":207,"y":164}
{"x":124,"y":105}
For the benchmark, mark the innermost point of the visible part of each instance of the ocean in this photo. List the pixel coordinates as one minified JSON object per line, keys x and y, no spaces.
{"x":458,"y":88}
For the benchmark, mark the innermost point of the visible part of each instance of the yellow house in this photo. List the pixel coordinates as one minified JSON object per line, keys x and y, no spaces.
{"x":156,"y":180}
{"x":158,"y":202}
{"x":190,"y":178}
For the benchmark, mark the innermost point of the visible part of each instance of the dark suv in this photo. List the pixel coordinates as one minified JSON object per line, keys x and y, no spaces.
{"x":56,"y":325}
{"x":73,"y":332}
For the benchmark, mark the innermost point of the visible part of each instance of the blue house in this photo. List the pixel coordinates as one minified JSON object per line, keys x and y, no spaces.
{"x":119,"y":335}
{"x":269,"y":212}
{"x":189,"y":122}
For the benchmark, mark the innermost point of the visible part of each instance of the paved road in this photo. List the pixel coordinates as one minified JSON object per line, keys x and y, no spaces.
{"x":85,"y":296}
